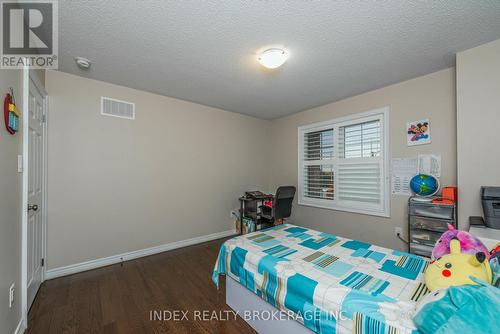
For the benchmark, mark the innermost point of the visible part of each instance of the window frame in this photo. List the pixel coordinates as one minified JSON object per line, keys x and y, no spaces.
{"x":382,"y":210}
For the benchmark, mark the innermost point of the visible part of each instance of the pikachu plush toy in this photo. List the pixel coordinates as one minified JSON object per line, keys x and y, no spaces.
{"x":455,"y":269}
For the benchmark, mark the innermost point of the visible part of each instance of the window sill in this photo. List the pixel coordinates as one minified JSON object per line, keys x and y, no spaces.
{"x":383,"y":214}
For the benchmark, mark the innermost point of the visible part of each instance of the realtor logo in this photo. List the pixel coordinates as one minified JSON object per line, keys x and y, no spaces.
{"x":29,"y":35}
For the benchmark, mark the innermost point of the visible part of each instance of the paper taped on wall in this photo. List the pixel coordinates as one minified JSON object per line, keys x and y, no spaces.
{"x":429,"y":164}
{"x":402,"y":170}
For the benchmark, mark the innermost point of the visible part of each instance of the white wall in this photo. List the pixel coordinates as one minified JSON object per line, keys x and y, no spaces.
{"x":117,"y":185}
{"x":431,"y":96}
{"x":10,"y":209}
{"x":478,"y":118}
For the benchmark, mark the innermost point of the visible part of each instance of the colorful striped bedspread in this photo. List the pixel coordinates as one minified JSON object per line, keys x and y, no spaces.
{"x":333,"y":284}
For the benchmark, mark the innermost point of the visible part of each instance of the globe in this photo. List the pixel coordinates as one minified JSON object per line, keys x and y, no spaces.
{"x":424,"y":185}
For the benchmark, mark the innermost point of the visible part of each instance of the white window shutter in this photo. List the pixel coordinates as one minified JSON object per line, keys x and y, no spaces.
{"x":360,"y":140}
{"x":318,"y":145}
{"x":318,"y":171}
{"x":343,"y":164}
{"x":360,"y":182}
{"x":319,"y":181}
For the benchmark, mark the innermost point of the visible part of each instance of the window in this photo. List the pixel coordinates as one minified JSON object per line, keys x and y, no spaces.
{"x":343,"y":164}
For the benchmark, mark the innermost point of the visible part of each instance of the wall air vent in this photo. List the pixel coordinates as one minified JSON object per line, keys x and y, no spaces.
{"x":117,"y":108}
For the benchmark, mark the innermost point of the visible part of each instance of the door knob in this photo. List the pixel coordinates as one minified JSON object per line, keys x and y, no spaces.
{"x":33,"y":207}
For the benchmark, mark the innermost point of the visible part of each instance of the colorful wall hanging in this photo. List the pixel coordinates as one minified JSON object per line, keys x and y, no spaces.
{"x":11,"y":113}
{"x":418,"y":132}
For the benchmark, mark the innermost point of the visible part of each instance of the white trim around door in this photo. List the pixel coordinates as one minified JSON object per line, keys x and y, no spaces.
{"x":30,"y":76}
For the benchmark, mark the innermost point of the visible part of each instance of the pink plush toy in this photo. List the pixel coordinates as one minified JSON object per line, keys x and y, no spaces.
{"x":468,"y":243}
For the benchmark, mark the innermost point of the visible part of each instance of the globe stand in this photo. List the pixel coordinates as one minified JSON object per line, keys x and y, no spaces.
{"x":422,"y":199}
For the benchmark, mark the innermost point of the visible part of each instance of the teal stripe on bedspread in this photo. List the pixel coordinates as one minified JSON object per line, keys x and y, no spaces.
{"x":299,"y":299}
{"x":220,"y":265}
{"x":267,"y":267}
{"x":280,"y":251}
{"x":363,"y":324}
{"x":360,"y":281}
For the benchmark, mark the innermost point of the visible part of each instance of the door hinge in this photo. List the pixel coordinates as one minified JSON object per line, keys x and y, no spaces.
{"x":43,"y":262}
{"x":43,"y":118}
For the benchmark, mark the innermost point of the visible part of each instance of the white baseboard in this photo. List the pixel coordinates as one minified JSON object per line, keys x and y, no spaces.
{"x":106,"y":261}
{"x":21,"y":327}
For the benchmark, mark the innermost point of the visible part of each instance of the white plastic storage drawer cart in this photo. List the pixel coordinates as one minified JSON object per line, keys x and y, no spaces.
{"x":426,"y":223}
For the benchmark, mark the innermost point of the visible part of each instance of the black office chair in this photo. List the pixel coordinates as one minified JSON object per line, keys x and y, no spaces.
{"x":282,"y":204}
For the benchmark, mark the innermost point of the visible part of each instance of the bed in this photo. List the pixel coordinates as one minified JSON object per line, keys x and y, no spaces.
{"x":328,"y":283}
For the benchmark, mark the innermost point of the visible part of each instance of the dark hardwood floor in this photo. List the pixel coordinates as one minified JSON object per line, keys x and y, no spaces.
{"x":119,"y":298}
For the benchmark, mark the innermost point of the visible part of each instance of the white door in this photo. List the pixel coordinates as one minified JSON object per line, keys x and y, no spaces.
{"x":35,"y":172}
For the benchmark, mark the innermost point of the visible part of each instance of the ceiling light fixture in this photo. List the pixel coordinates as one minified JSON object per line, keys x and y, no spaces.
{"x":83,"y":63}
{"x":272,"y":58}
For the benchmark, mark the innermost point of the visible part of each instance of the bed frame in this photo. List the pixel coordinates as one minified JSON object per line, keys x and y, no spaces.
{"x":241,"y":300}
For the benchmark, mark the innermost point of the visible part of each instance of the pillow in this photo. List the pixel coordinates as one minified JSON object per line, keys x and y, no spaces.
{"x":460,"y":309}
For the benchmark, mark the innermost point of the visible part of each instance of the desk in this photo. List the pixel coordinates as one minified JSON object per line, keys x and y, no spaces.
{"x":488,"y":236}
{"x":250,"y":208}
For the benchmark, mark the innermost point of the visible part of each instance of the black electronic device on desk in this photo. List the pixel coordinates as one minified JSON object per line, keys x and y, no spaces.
{"x":490,"y":199}
{"x":426,"y":222}
{"x":257,"y":195}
